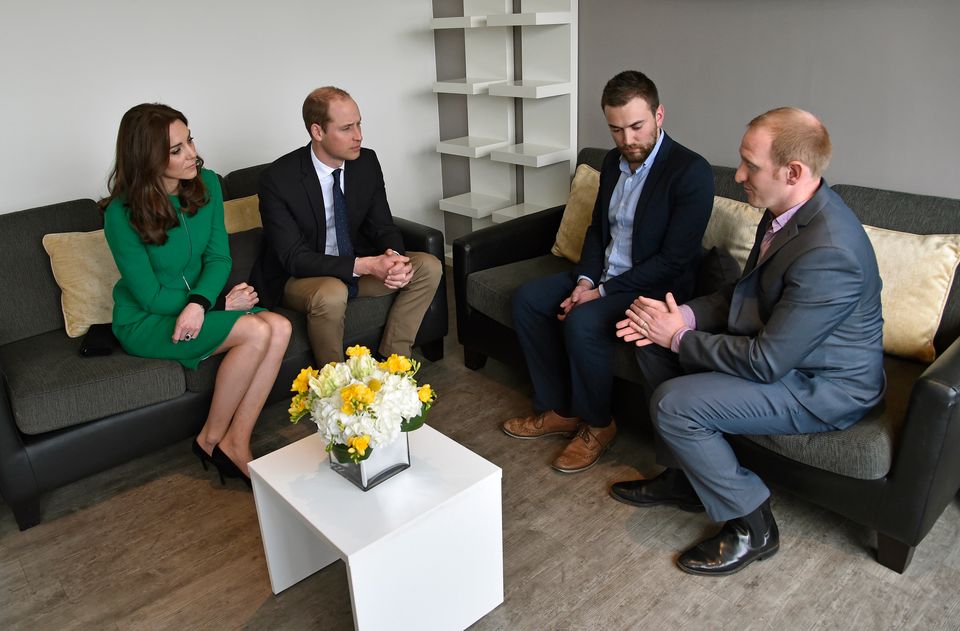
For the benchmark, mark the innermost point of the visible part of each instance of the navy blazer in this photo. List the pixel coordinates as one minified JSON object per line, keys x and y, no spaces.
{"x":294,"y":222}
{"x":671,"y":216}
{"x":806,"y":314}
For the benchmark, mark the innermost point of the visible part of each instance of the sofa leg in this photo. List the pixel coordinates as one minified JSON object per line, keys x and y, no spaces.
{"x":893,"y":554}
{"x":433,"y":351}
{"x":28,"y":514}
{"x":473,"y":360}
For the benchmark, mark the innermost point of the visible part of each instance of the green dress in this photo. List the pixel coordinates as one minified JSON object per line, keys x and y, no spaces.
{"x":156,"y":280}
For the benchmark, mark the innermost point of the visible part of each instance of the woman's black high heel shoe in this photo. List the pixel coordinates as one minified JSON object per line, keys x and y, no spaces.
{"x":200,"y":453}
{"x":227,"y":468}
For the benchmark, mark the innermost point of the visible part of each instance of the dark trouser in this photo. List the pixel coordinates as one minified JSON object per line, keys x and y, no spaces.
{"x":570,"y":362}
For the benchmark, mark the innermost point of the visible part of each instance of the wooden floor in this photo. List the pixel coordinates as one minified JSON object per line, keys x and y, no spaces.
{"x":158,"y":544}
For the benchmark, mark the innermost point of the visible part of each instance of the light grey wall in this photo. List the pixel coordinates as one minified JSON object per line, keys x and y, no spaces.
{"x":882,"y":74}
{"x":238,"y":70}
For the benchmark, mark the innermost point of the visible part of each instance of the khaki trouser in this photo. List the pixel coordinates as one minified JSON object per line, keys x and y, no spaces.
{"x":324,"y":300}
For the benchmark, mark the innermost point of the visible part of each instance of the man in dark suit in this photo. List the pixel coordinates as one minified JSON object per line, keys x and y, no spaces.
{"x":329,"y":235}
{"x":794,"y":347}
{"x":652,"y":208}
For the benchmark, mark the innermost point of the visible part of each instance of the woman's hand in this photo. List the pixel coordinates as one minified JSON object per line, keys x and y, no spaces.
{"x":188,"y":323}
{"x":241,"y":298}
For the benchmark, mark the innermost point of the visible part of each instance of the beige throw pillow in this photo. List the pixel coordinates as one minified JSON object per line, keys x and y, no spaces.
{"x":242,"y":214}
{"x":86,"y":273}
{"x":732,"y":227}
{"x":578,"y":213}
{"x":917,"y":272}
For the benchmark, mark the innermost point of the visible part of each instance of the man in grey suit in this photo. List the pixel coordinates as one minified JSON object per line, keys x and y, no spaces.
{"x":793,"y":347}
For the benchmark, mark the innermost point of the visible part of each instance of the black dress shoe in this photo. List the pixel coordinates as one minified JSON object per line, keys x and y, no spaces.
{"x":200,"y":453}
{"x":739,"y":543}
{"x":670,"y":487}
{"x":227,"y":468}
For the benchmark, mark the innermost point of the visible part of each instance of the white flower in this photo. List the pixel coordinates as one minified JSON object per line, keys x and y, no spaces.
{"x":395,"y":400}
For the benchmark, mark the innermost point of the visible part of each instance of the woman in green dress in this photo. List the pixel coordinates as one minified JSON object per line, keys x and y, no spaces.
{"x":163,"y":221}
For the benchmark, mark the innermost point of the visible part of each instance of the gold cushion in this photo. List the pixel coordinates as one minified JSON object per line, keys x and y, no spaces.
{"x":86,"y":273}
{"x":578,"y":213}
{"x":242,"y":214}
{"x":917,"y":272}
{"x":732,"y":227}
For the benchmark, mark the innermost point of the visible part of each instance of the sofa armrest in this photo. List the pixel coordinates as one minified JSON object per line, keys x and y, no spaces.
{"x":435,"y":323}
{"x":517,"y":240}
{"x":420,"y":238}
{"x":18,"y":484}
{"x":926,"y":472}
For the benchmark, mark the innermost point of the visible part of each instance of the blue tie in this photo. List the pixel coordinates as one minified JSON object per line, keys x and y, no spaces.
{"x":344,"y":246}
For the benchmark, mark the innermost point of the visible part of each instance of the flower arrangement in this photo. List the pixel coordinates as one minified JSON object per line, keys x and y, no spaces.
{"x":361,"y":404}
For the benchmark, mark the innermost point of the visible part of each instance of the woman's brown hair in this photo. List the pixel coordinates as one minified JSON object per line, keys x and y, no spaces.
{"x":143,"y":151}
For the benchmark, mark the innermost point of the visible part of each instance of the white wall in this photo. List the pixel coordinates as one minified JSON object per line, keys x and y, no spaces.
{"x":238,"y":70}
{"x":882,"y":74}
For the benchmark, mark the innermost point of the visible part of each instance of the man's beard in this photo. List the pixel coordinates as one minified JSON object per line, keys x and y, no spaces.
{"x":638,"y":154}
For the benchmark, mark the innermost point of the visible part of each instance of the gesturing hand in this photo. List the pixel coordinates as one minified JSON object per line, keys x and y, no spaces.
{"x":188,"y":323}
{"x":241,"y":298}
{"x":651,"y":321}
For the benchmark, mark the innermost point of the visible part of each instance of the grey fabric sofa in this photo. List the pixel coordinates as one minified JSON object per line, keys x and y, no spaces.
{"x":64,"y":417}
{"x":893,"y":472}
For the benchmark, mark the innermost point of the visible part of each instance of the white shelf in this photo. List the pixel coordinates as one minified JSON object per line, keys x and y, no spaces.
{"x":466,"y":21}
{"x":470,"y":146}
{"x":466,"y":85}
{"x":530,"y":89}
{"x":530,"y":155}
{"x":476,"y":205}
{"x":538,"y":18}
{"x":513,"y":212}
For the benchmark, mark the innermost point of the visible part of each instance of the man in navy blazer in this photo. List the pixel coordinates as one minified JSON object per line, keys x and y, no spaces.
{"x":795,"y":346}
{"x":652,"y":208}
{"x":329,"y":235}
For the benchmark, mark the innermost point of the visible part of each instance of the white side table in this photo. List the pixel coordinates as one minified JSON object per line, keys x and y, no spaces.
{"x":424,"y":549}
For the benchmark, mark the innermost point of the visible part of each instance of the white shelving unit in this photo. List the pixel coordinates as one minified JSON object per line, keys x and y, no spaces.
{"x":543,"y":78}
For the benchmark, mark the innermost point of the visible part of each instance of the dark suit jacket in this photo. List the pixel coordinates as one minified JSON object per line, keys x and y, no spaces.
{"x":671,"y":216}
{"x":294,"y":228}
{"x":808,"y":314}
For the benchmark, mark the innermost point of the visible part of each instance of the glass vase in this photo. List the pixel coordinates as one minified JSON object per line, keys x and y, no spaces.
{"x":383,"y":463}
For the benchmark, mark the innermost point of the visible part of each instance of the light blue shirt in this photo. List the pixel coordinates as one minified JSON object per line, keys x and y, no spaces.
{"x":622,"y":212}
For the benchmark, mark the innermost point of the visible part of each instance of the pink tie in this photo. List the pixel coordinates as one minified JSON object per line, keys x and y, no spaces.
{"x":767,"y":240}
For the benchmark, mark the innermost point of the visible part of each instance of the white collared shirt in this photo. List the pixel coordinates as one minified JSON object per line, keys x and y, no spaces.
{"x":325,"y":175}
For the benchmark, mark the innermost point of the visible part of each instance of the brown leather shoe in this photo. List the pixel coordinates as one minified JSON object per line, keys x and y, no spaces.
{"x":539,"y":425}
{"x":586,"y":448}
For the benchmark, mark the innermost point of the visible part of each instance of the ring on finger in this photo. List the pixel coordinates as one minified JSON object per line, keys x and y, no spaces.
{"x":187,"y":337}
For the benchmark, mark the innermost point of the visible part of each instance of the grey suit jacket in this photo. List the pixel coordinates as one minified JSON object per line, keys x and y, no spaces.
{"x":806,"y":314}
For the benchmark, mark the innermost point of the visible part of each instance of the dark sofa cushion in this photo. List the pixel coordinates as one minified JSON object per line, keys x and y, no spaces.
{"x":32,"y":296}
{"x":864,"y":451}
{"x":52,"y":386}
{"x":717,"y":269}
{"x":489,"y":291}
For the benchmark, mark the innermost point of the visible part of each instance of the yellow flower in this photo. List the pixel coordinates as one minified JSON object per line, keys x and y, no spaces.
{"x":357,"y":351}
{"x":356,"y":397}
{"x":374,"y":385}
{"x":302,"y":383}
{"x":297,"y":405}
{"x":425,"y":393}
{"x":358,"y":444}
{"x":396,"y":364}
